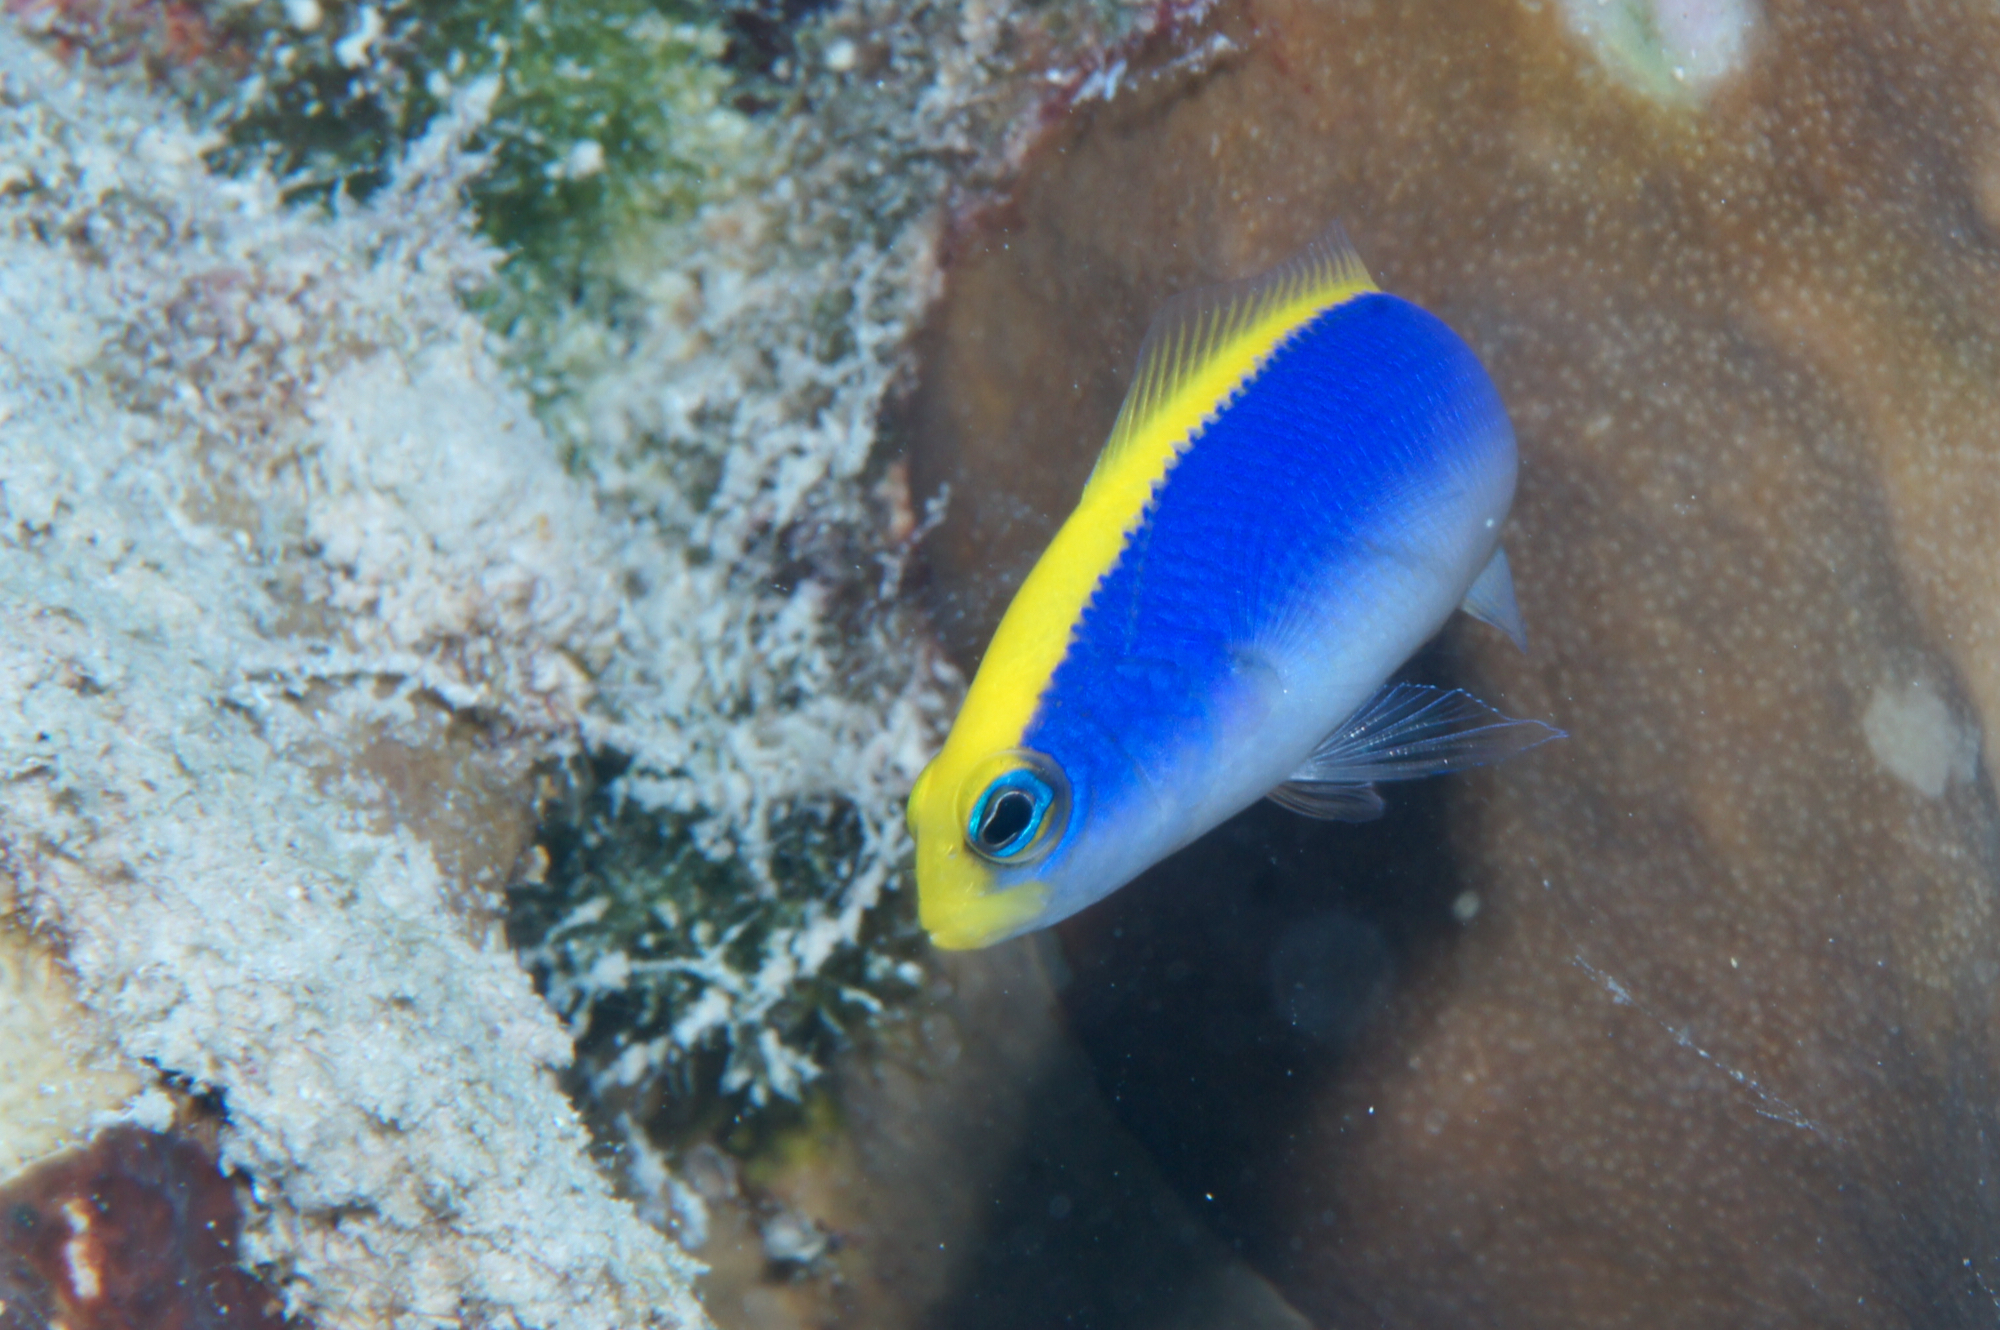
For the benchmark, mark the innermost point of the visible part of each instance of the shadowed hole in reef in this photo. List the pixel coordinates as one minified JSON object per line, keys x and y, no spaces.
{"x":1221,"y":993}
{"x":1070,"y":1222}
{"x":1079,"y":1232}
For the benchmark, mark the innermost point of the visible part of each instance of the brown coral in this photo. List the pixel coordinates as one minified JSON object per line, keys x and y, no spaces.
{"x":1708,"y":1036}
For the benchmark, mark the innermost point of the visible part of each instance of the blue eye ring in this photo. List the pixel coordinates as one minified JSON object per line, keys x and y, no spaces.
{"x":1019,"y":815}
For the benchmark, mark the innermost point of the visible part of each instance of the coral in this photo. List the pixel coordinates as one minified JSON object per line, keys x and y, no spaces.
{"x":312,"y":580}
{"x":715,"y":259}
{"x":1675,"y":50}
{"x":1689,"y":1019}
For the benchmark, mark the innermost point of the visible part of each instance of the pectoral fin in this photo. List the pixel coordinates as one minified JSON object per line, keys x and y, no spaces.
{"x":1405,"y":732}
{"x":1491,"y":600}
{"x":1329,"y":802}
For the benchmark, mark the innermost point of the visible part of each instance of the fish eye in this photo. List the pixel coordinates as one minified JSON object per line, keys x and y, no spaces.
{"x":1008,"y":816}
{"x":1016,"y":815}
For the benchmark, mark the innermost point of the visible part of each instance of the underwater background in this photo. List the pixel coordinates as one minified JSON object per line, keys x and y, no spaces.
{"x":501,"y":500}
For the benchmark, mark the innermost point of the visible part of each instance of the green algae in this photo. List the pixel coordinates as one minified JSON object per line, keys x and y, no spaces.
{"x":604,"y":113}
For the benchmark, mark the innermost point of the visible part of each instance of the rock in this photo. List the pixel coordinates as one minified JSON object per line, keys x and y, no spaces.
{"x":1716,"y":1044}
{"x":274,"y":683}
{"x":312,"y":577}
{"x":54,"y":1078}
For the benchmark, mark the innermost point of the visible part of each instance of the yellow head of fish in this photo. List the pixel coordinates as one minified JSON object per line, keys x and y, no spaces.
{"x":982,"y":822}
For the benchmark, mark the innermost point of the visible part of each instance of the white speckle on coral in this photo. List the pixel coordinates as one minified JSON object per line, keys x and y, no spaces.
{"x":817,"y":938}
{"x":1673,"y":49}
{"x":841,"y":55}
{"x":80,"y":1254}
{"x":1707,"y":40}
{"x":152,"y":1109}
{"x":791,"y":1238}
{"x":633,"y":1065}
{"x":711,"y":1011}
{"x":583,"y":915}
{"x":611,"y":971}
{"x":690,"y":1215}
{"x":305,"y":15}
{"x":1102,"y":84}
{"x":1912,"y":734}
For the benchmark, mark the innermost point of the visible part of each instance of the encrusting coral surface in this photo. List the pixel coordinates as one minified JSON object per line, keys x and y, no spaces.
{"x":224,"y":568}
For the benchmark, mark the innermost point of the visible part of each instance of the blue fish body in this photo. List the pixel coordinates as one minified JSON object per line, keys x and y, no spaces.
{"x":1288,"y":532}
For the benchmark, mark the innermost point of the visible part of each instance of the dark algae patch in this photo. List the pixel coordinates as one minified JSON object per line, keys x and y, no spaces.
{"x":602,"y":114}
{"x":630,"y":926}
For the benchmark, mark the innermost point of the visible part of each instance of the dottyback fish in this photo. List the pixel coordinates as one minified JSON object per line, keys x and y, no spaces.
{"x":1306,"y":478}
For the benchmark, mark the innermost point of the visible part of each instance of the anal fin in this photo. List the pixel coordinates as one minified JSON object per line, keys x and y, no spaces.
{"x":1491,"y":599}
{"x":1405,"y":732}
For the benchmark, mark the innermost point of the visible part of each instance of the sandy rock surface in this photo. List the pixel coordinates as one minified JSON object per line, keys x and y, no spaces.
{"x":271,"y":685}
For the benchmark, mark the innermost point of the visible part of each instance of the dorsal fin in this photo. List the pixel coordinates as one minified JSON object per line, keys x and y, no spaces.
{"x":1203,"y":344}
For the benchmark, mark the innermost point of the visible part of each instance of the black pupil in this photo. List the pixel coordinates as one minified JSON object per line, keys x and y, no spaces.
{"x":1007,"y":816}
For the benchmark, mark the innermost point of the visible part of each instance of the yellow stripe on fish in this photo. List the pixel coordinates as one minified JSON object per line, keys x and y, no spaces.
{"x":1200,"y":351}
